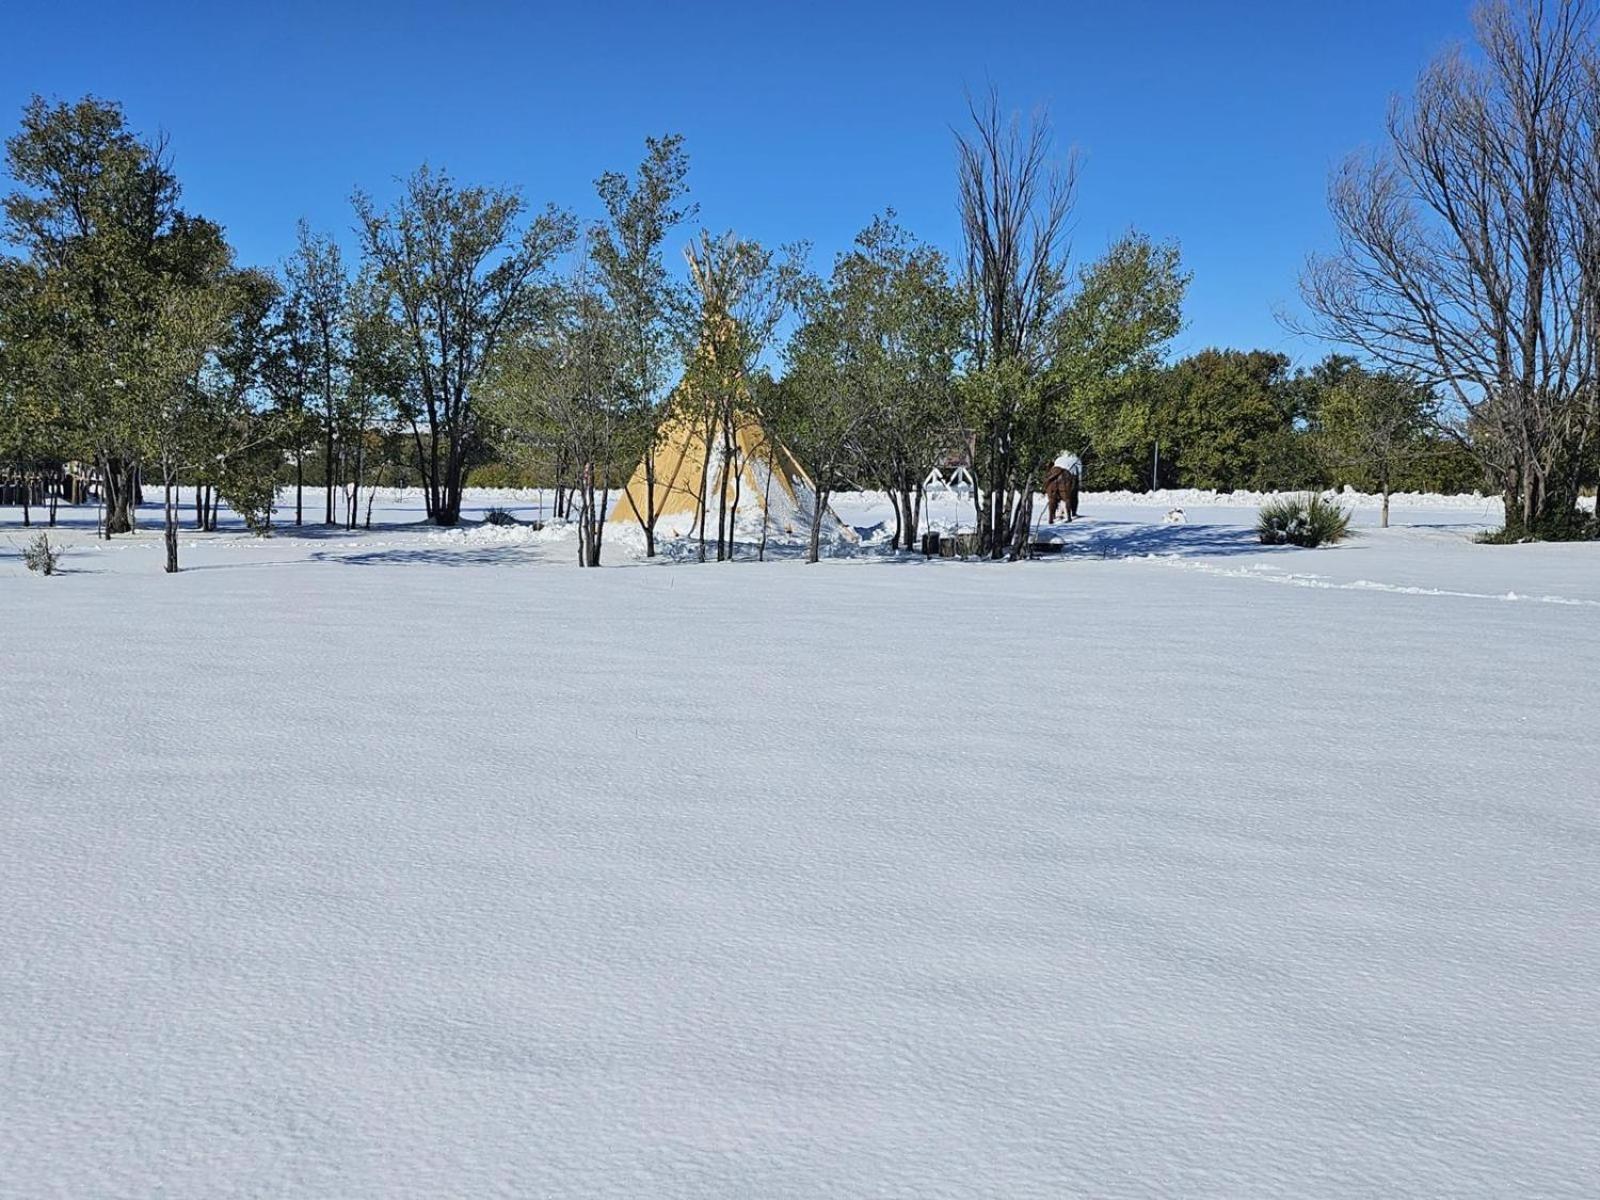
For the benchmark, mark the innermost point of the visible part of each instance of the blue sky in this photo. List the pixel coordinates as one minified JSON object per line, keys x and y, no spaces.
{"x":1214,"y":124}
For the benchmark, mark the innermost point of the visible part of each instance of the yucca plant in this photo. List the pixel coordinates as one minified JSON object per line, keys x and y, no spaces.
{"x":39,"y":555}
{"x":1309,"y":520}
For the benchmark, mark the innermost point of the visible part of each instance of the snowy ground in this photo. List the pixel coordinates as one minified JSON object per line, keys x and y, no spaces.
{"x":417,"y":863}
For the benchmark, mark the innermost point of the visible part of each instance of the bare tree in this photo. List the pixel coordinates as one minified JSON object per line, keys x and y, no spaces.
{"x":1015,"y":202}
{"x":1468,"y":250}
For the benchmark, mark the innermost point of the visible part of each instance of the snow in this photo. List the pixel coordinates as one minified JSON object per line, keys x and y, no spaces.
{"x":416,"y":863}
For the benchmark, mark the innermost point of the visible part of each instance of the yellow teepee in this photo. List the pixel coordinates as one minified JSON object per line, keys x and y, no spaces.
{"x":760,"y":478}
{"x":743,"y":472}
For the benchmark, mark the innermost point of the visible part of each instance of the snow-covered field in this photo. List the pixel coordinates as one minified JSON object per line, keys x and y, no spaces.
{"x":420,"y":863}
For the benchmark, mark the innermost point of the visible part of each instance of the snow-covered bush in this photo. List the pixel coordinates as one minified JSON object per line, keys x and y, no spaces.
{"x":39,"y":555}
{"x":1310,"y":520}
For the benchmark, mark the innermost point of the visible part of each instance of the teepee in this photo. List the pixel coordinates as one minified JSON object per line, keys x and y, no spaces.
{"x":720,"y":460}
{"x":763,"y":483}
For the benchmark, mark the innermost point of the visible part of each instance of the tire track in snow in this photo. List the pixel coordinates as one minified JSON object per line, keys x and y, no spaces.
{"x":1271,"y":574}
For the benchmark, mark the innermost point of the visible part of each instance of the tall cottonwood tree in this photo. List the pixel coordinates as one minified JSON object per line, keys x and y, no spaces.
{"x":464,"y":268}
{"x":1469,"y":249}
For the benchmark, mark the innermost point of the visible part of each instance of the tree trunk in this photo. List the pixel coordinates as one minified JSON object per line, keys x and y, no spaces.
{"x":766,"y":500}
{"x":722,"y":487}
{"x":909,"y":507}
{"x":1385,"y":519}
{"x":120,"y":487}
{"x":299,"y":485}
{"x":449,"y":508}
{"x":733,"y":510}
{"x":327,"y":474}
{"x":650,"y":501}
{"x":1021,"y":524}
{"x":171,"y":533}
{"x":813,"y":551}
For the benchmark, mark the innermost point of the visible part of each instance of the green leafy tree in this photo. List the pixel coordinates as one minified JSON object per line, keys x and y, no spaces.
{"x":1111,"y":340}
{"x":111,"y":266}
{"x":563,"y":382}
{"x":648,"y":311}
{"x":895,"y":324}
{"x":35,"y":434}
{"x":1372,"y":426}
{"x":319,"y":289}
{"x":1233,"y":419}
{"x":742,"y":292}
{"x":464,"y":271}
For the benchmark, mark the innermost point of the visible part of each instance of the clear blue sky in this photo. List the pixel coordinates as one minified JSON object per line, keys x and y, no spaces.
{"x":1213,"y":123}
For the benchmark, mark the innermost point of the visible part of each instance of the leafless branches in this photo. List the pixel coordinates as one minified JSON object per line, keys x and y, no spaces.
{"x":1469,"y":252}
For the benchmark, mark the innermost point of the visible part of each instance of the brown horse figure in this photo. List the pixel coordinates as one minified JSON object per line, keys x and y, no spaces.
{"x":1061,"y":490}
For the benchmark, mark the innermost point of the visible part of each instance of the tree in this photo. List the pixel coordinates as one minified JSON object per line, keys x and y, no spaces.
{"x":1371,"y":425}
{"x":743,"y":292}
{"x":1014,"y":207}
{"x":819,"y":411}
{"x":463,"y":271}
{"x":235,"y":433}
{"x":287,"y":374}
{"x":563,"y":382}
{"x":896,"y":325}
{"x":1110,"y":342}
{"x":108,"y":259}
{"x":1230,"y":420}
{"x":1469,"y":252}
{"x":648,"y":312}
{"x":35,"y":434}
{"x":378,"y":382}
{"x":189,"y":325}
{"x":318,"y":287}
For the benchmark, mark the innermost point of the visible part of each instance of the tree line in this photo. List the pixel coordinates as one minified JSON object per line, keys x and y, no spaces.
{"x":474,"y":330}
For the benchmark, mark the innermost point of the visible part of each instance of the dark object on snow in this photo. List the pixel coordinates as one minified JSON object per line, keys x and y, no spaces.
{"x":950,"y":545}
{"x":1061,"y":490}
{"x":498,"y":516}
{"x":41,"y":557}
